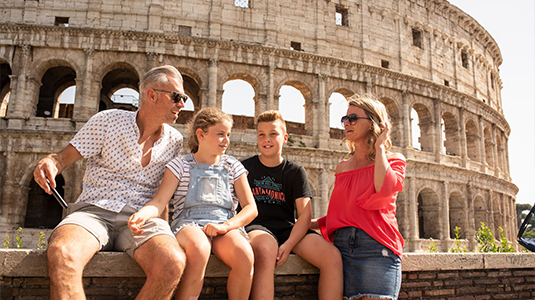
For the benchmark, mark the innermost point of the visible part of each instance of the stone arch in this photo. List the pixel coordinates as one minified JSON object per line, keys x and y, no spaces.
{"x":472,"y":140}
{"x":396,"y":119}
{"x":428,"y":218}
{"x":425,"y":124}
{"x":451,"y":134}
{"x":54,"y":81}
{"x":5,"y":85}
{"x":489,"y":147}
{"x":480,"y":211}
{"x":457,"y":206}
{"x":42,"y":209}
{"x":117,"y":75}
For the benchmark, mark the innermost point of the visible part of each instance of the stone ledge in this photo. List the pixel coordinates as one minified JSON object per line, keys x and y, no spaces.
{"x":32,"y":263}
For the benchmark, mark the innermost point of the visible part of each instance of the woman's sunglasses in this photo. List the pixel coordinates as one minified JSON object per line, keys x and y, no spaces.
{"x":176,"y":96}
{"x":352,"y":119}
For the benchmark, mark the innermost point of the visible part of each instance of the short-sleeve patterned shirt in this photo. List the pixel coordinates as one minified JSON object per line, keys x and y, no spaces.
{"x":180,"y":168}
{"x":114,"y":176}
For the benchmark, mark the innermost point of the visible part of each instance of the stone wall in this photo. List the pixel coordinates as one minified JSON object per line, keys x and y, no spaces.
{"x":115,"y":276}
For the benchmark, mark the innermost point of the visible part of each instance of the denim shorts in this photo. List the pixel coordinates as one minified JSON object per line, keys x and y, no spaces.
{"x":370,"y":268}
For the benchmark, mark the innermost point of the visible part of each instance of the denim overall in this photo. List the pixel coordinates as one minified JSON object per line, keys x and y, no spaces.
{"x":208,"y":199}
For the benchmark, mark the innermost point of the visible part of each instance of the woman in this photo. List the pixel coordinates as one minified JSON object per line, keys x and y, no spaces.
{"x":361,"y":219}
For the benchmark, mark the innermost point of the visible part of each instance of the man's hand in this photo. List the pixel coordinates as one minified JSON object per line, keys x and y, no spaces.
{"x":45,"y":172}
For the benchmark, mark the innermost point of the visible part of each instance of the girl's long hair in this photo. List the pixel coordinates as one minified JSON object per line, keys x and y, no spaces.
{"x":205,"y":118}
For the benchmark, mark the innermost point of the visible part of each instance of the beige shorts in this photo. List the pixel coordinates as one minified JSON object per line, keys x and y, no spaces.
{"x":111,"y":229}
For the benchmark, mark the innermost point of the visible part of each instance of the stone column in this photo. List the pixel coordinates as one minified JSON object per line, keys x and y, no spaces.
{"x":324,"y":193}
{"x":462,"y":136}
{"x":270,"y":101}
{"x":152,"y":62}
{"x":260,"y":102}
{"x":482,"y":150}
{"x":16,"y":108}
{"x":439,"y":144}
{"x":495,"y":150}
{"x":445,"y":216}
{"x":506,"y":158}
{"x":87,"y":96}
{"x":322,"y":114}
{"x":406,"y":127}
{"x":413,"y":208}
{"x":491,"y":210}
{"x":212,"y":82}
{"x":471,"y":228}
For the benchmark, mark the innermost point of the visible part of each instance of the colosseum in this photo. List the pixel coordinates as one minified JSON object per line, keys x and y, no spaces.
{"x":433,"y":66}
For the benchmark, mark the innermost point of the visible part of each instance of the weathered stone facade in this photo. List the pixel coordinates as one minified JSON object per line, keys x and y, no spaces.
{"x":423,"y":55}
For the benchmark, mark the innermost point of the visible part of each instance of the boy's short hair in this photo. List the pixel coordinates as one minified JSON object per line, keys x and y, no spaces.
{"x":271,"y":116}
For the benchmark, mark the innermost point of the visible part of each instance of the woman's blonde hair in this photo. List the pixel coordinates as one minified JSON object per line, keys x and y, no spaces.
{"x":376,"y":111}
{"x":204,"y":119}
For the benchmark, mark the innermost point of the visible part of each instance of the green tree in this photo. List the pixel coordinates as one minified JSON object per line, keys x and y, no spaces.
{"x":487,"y":243}
{"x":457,"y":248}
{"x":521,"y":213}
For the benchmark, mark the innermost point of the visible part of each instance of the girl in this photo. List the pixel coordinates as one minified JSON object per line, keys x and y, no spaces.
{"x":207,"y":186}
{"x":361,"y":219}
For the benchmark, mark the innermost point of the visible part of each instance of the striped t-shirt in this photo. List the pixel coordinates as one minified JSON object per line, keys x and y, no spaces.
{"x":181,"y":169}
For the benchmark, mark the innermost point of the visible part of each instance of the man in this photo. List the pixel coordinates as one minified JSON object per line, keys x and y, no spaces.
{"x":126,"y":155}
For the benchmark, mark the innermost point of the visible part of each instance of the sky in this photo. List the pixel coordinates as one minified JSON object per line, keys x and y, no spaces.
{"x":512,"y":25}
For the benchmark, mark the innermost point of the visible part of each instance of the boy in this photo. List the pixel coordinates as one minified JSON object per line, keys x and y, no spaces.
{"x":279,"y":186}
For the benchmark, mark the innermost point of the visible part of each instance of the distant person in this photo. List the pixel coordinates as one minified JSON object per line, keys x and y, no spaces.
{"x":279,"y":187}
{"x":361,"y":218}
{"x":207,"y":186}
{"x":126,"y":155}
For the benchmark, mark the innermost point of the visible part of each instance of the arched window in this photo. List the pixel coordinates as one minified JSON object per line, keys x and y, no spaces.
{"x":337,"y":109}
{"x":451,"y":134}
{"x":480,"y":212}
{"x":43,"y":211}
{"x":238,"y":98}
{"x":5,"y":87}
{"x":292,"y":104}
{"x":472,"y":141}
{"x":415,"y":130}
{"x":121,"y":77}
{"x":65,"y":105}
{"x":54,"y":82}
{"x":428,"y":214}
{"x":457,"y":214}
{"x":125,"y":98}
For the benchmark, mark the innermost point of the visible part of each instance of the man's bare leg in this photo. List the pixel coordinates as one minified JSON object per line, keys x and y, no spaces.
{"x":70,"y":248}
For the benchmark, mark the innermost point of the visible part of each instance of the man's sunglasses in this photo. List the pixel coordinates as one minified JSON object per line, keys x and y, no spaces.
{"x":176,"y":96}
{"x":352,"y":118}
